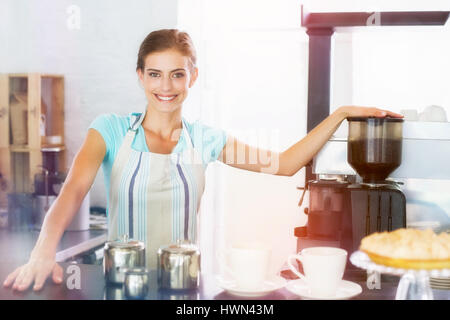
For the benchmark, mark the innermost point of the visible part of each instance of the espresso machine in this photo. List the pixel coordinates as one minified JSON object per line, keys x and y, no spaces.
{"x":374,"y":175}
{"x":345,"y":208}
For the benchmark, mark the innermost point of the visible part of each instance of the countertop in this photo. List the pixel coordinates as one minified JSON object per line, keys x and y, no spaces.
{"x":15,"y":247}
{"x":91,"y":286}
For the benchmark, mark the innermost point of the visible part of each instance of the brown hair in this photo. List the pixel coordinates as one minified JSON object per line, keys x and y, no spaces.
{"x":167,"y":39}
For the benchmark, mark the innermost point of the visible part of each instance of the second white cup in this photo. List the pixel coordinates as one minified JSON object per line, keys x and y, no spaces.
{"x":248,"y":264}
{"x":323,"y":267}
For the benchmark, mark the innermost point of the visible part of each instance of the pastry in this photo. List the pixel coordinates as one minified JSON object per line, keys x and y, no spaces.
{"x":408,"y":249}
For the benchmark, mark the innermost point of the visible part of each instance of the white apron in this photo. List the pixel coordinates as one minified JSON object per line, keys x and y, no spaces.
{"x":155,"y":197}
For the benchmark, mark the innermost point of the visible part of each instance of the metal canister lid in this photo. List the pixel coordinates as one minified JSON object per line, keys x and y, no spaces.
{"x":135,"y":271}
{"x":124,"y":243}
{"x":179,"y":248}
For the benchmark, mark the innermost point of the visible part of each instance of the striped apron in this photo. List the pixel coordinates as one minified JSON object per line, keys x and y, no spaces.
{"x":154,"y":198}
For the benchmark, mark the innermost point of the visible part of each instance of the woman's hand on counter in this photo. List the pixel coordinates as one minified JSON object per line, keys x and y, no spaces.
{"x":42,"y":262}
{"x":37,"y":270}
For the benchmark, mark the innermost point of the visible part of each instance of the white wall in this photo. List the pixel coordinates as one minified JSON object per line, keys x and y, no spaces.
{"x":98,"y":60}
{"x":252,"y":83}
{"x":402,"y":68}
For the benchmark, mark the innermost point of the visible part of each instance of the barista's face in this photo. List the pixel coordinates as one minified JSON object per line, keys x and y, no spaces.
{"x":166,"y":79}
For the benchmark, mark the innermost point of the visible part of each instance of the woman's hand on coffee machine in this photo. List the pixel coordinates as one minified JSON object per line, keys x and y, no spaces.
{"x":39,"y":267}
{"x":302,"y":152}
{"x":356,"y":111}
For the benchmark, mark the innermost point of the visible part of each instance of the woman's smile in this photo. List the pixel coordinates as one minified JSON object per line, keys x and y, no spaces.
{"x":165,"y":98}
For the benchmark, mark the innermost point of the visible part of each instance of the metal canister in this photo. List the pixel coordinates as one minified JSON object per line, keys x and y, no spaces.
{"x":178,"y":266}
{"x":122,"y":254}
{"x":136,"y":283}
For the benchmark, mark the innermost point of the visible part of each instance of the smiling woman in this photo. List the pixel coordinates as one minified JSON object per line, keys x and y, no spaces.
{"x":167,"y":87}
{"x":154,"y":162}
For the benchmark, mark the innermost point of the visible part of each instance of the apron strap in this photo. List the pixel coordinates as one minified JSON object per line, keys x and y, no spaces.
{"x":137,"y":119}
{"x":186,"y":134}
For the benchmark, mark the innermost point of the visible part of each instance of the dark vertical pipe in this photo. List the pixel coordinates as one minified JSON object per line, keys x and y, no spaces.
{"x":368,"y":214}
{"x":318,"y":80}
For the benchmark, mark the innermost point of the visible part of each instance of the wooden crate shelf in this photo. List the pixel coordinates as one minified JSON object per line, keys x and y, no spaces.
{"x":31,"y":110}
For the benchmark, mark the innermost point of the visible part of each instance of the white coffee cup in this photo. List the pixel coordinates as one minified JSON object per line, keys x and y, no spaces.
{"x":323,"y":267}
{"x":248,"y":264}
{"x":434,"y":114}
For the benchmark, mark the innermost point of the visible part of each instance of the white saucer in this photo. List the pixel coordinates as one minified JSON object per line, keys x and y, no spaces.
{"x":346,"y":290}
{"x":270,"y":285}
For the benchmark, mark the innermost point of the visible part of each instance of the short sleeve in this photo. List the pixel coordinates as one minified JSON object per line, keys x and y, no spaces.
{"x":103,"y":124}
{"x":212,"y":141}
